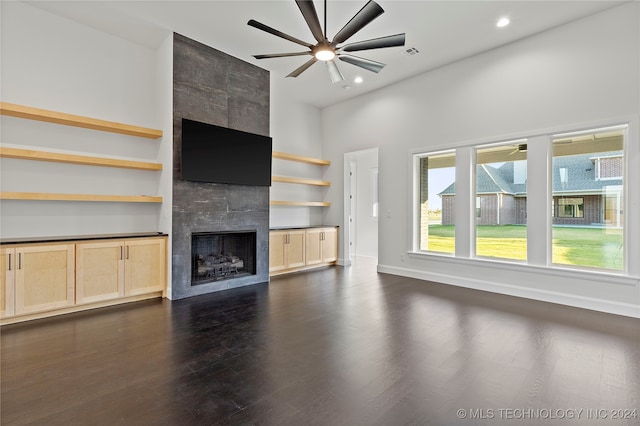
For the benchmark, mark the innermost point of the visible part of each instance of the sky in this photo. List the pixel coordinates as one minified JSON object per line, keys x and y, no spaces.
{"x":439,"y":179}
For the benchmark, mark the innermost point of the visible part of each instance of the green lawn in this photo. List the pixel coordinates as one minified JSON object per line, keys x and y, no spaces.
{"x":591,"y":247}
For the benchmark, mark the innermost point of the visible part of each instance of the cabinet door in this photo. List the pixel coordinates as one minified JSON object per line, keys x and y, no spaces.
{"x":277,"y":254}
{"x":44,"y":278}
{"x":7,"y":285}
{"x":99,"y":271}
{"x":296,"y":249}
{"x":314,"y":246}
{"x":144,"y":266}
{"x":329,"y":245}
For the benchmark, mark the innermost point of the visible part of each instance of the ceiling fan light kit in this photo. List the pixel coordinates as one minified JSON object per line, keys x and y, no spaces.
{"x":325,"y":50}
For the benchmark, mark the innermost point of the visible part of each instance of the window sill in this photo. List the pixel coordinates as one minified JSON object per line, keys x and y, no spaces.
{"x":611,"y":277}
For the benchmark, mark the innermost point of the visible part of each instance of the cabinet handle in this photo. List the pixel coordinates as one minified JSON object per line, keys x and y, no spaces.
{"x":9,"y":261}
{"x":120,"y":252}
{"x":127,"y":252}
{"x":19,"y":260}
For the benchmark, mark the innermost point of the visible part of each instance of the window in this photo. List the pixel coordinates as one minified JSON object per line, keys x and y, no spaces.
{"x":436,"y":199}
{"x":588,"y":188}
{"x":501,"y":195}
{"x":571,"y":207}
{"x":576,"y":197}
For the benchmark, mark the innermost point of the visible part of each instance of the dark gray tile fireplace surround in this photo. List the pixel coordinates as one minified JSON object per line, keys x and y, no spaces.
{"x":213,"y":87}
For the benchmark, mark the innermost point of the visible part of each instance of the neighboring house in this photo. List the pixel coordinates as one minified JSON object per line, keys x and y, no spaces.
{"x":587,"y":190}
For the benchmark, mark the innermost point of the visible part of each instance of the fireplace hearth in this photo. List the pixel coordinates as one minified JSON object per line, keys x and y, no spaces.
{"x":217,"y":256}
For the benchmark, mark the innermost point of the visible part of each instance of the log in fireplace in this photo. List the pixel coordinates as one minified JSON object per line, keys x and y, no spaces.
{"x":219,"y":256}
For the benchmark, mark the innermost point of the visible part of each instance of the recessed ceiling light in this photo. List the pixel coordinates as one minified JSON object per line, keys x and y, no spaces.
{"x":358,"y":80}
{"x":502,"y":22}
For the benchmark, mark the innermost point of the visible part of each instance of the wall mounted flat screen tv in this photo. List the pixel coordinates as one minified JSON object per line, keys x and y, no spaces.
{"x":220,"y":155}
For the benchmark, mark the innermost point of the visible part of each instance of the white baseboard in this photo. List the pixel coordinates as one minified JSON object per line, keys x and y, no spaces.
{"x":624,"y":309}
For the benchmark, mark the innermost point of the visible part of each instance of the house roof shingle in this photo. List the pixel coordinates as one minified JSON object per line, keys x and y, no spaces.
{"x":581,"y":176}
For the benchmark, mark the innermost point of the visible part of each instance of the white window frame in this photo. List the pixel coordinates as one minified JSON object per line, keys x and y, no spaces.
{"x":540,"y":227}
{"x":415,"y":230}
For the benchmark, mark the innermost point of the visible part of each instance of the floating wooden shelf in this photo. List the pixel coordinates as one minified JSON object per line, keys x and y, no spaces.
{"x":76,"y":120}
{"x":303,"y":181}
{"x":42,"y":196}
{"x":28,"y":154}
{"x":300,"y":158}
{"x":301,"y":203}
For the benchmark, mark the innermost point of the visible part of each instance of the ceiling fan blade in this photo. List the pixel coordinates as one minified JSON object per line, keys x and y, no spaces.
{"x":275,"y":32}
{"x":281,"y":55}
{"x":375,"y":43}
{"x":309,"y":12}
{"x":334,"y":72}
{"x":302,"y":68}
{"x":368,"y":13}
{"x":362,"y":63}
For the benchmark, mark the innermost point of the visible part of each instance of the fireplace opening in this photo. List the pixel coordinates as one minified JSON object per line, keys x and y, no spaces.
{"x":222,"y":256}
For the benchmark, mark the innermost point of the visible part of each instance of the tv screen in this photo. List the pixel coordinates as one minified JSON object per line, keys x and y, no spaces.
{"x":220,"y":155}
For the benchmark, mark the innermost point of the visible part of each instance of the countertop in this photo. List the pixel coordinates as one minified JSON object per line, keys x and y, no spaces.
{"x":282,"y":228}
{"x":60,"y":238}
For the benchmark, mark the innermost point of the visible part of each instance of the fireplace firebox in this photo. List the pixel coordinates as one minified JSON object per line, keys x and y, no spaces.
{"x":219,"y":256}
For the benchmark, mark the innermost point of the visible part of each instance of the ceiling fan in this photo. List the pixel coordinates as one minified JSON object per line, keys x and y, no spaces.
{"x":325,"y":50}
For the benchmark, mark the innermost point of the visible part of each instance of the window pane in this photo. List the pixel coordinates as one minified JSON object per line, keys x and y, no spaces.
{"x":437,"y":194}
{"x":588,"y":190}
{"x":501,"y":201}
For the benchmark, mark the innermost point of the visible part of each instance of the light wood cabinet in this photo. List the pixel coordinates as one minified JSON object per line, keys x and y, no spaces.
{"x":144,"y":266}
{"x":286,"y":250}
{"x":108,"y":270}
{"x":322,"y":244}
{"x":7,"y":281}
{"x":44,"y":278}
{"x":309,"y":248}
{"x":99,"y":271}
{"x":40,"y":280}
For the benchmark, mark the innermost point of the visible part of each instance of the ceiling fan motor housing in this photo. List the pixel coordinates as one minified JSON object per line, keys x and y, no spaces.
{"x":325,"y":50}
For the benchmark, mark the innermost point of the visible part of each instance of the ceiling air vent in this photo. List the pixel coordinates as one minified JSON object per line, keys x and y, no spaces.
{"x":410,"y":51}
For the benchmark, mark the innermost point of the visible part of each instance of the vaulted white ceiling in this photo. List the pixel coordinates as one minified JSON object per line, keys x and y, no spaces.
{"x":441,"y":31}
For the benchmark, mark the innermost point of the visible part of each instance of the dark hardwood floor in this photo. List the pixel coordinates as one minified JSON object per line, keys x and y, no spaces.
{"x":337,"y":346}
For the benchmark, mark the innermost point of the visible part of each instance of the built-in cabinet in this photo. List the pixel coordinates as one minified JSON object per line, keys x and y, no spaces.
{"x":321,"y":245}
{"x":7,"y":281}
{"x":37,"y":278}
{"x":112,"y":269}
{"x":299,"y":249}
{"x":45,"y":279}
{"x":48,"y":276}
{"x":99,"y":271}
{"x":286,"y":249}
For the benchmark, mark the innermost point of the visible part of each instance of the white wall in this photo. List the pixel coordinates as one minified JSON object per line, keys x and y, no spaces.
{"x":579,"y":74}
{"x":295,"y":129}
{"x":53,"y":63}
